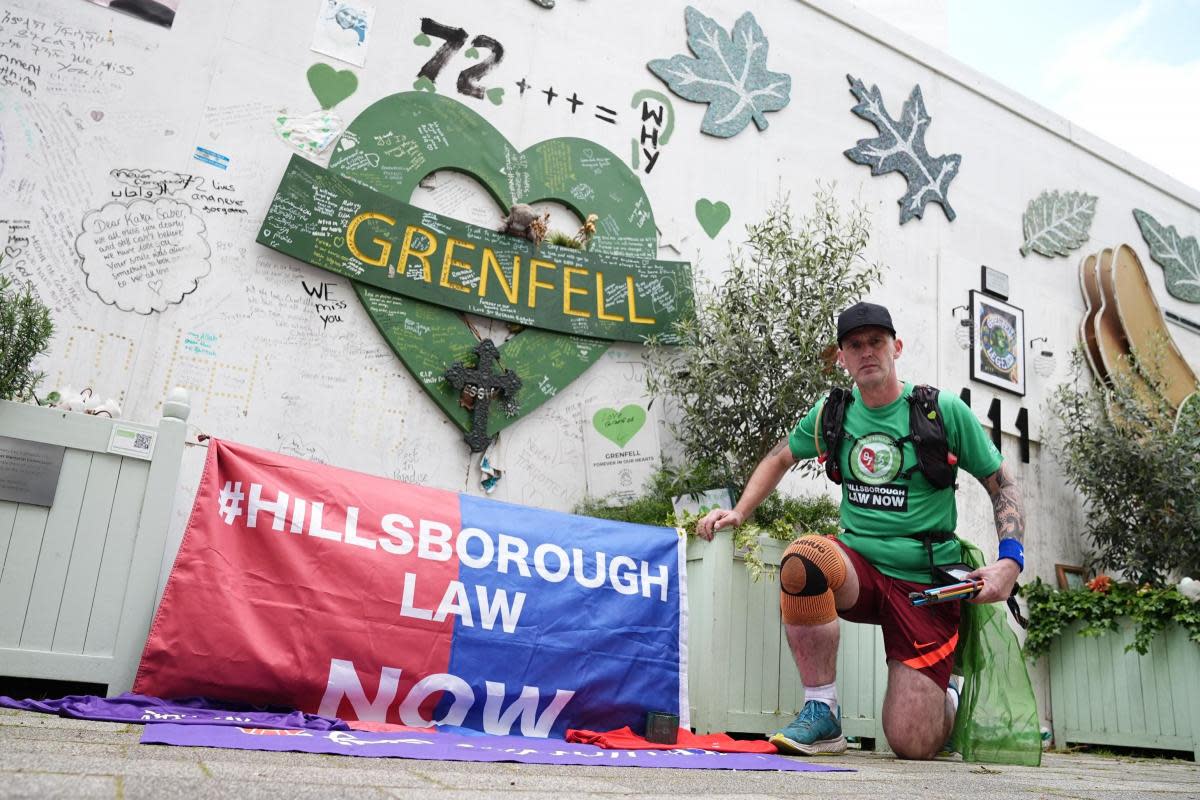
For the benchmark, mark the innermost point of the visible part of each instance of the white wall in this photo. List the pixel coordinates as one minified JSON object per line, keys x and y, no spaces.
{"x":264,"y":369}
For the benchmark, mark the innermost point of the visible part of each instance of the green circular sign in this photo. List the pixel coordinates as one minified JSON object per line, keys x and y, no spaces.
{"x":875,"y":459}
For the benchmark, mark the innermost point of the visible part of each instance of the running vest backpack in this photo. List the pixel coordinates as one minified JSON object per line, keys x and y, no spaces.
{"x":934,"y":459}
{"x":927,"y":432}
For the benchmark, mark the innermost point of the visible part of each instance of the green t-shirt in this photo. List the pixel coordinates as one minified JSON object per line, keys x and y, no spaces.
{"x":880,"y":506}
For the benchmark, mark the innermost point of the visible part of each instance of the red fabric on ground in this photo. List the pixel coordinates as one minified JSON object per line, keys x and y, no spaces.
{"x":626,"y":739}
{"x":385,"y":727}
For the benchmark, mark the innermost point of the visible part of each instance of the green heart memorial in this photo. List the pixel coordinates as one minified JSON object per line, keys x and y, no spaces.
{"x":416,"y":272}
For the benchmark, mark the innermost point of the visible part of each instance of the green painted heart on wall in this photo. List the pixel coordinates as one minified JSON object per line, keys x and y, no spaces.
{"x":331,"y":86}
{"x":619,"y":427}
{"x":712,"y":216}
{"x":399,"y":140}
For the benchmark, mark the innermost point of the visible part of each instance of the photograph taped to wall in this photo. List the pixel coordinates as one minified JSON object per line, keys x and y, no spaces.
{"x":998,"y":336}
{"x":342,"y":29}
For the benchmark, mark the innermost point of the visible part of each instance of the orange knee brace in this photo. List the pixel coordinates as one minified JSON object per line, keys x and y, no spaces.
{"x":811,"y":571}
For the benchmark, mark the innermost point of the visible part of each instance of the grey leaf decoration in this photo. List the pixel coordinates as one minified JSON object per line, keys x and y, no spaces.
{"x":900,"y":147}
{"x":1057,"y":223}
{"x":729,"y":73}
{"x":1179,"y":257}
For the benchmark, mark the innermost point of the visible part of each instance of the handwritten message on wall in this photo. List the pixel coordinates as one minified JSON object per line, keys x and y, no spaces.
{"x":143,"y":256}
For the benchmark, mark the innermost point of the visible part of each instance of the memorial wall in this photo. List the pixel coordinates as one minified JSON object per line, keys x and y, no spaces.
{"x":296,"y":211}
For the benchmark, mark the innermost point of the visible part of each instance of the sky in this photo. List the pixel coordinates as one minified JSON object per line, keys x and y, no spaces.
{"x":1127,"y":71}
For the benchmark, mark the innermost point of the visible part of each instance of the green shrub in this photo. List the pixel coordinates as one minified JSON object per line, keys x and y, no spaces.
{"x":25,"y":331}
{"x":1151,"y":609}
{"x":1138,"y":468}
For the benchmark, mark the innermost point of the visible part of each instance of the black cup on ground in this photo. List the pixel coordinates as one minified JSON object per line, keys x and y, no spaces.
{"x":662,"y":727}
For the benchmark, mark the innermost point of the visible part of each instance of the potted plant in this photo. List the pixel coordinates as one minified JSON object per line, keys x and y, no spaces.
{"x":25,"y":331}
{"x":1124,"y":654}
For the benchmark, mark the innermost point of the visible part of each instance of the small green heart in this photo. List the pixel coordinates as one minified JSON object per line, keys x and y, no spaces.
{"x":619,"y":426}
{"x":423,"y":84}
{"x":422,"y":40}
{"x":338,"y":241}
{"x":331,"y":86}
{"x":496,"y":95}
{"x":712,"y":216}
{"x":472,"y":53}
{"x":287,"y":134}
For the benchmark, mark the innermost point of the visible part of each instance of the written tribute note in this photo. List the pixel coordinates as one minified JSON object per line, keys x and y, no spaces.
{"x":143,"y":256}
{"x":621,"y":443}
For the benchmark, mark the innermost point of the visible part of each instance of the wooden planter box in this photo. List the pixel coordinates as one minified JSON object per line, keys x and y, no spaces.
{"x":78,"y":579}
{"x":741,"y":676}
{"x":1100,"y":694}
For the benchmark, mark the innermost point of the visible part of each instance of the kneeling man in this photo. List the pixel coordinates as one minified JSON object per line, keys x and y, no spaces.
{"x":898,"y":517}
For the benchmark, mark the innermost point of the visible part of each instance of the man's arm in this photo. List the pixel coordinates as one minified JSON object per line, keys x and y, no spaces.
{"x":1009,"y":510}
{"x":1007,"y":504}
{"x":763,"y":480}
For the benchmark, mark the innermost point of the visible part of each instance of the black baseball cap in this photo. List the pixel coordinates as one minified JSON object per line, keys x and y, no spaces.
{"x":862,"y":315}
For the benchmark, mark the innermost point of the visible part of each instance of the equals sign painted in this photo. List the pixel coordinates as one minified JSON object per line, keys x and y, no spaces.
{"x":608,"y":116}
{"x":210,"y":157}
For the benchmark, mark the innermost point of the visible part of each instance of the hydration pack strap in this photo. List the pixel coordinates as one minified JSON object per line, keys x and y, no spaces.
{"x":929,"y":539}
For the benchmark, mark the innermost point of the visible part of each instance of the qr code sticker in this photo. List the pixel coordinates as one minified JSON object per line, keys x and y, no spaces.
{"x":128,"y":441}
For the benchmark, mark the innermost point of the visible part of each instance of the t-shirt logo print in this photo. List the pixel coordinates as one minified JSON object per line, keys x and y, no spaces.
{"x":875,"y":459}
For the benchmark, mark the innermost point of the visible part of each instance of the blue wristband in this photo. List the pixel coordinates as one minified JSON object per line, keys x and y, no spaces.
{"x":1012,"y":549}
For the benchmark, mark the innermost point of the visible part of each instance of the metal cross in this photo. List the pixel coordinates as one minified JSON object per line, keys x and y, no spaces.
{"x":479,"y":386}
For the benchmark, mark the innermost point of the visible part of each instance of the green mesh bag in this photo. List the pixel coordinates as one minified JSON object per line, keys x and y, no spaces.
{"x":997,"y":719}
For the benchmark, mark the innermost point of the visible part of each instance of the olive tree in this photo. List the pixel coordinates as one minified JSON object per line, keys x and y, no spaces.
{"x":1136,"y":461}
{"x":759,"y":349}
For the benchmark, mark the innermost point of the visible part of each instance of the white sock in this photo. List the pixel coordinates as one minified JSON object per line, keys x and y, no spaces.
{"x":953,"y":691}
{"x":827,"y":694}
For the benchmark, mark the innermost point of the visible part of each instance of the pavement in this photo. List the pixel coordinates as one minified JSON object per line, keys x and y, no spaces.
{"x":44,"y":756}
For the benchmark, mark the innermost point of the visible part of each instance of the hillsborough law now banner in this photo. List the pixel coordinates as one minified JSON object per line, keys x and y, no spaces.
{"x":355,"y":596}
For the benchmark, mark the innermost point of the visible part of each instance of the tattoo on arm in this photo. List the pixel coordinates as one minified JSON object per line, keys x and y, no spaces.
{"x":779,"y":446}
{"x":1007,"y":504}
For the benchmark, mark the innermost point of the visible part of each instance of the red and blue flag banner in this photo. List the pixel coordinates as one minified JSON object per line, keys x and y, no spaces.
{"x":354,"y":596}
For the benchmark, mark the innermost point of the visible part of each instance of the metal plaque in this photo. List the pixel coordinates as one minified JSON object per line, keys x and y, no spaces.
{"x":29,"y":471}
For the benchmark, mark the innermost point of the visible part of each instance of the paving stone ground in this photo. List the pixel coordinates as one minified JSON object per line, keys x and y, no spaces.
{"x":43,"y":756}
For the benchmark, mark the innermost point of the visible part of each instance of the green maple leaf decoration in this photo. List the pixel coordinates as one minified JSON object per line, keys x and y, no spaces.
{"x":729,"y":73}
{"x":900,"y":147}
{"x":1178,"y":256}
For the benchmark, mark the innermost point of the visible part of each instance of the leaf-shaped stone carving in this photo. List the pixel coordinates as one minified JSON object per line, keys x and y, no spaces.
{"x":900,"y":147}
{"x":729,"y":73}
{"x":1179,"y":257}
{"x":1057,"y":222}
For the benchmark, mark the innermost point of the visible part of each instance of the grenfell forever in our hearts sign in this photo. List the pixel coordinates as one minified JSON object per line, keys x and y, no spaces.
{"x":416,"y":272}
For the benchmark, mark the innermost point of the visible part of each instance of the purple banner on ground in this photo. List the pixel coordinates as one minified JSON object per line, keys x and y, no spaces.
{"x":451,"y":747}
{"x":139,"y":708}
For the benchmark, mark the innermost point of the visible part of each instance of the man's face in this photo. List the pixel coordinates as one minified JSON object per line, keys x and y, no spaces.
{"x":869,"y":354}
